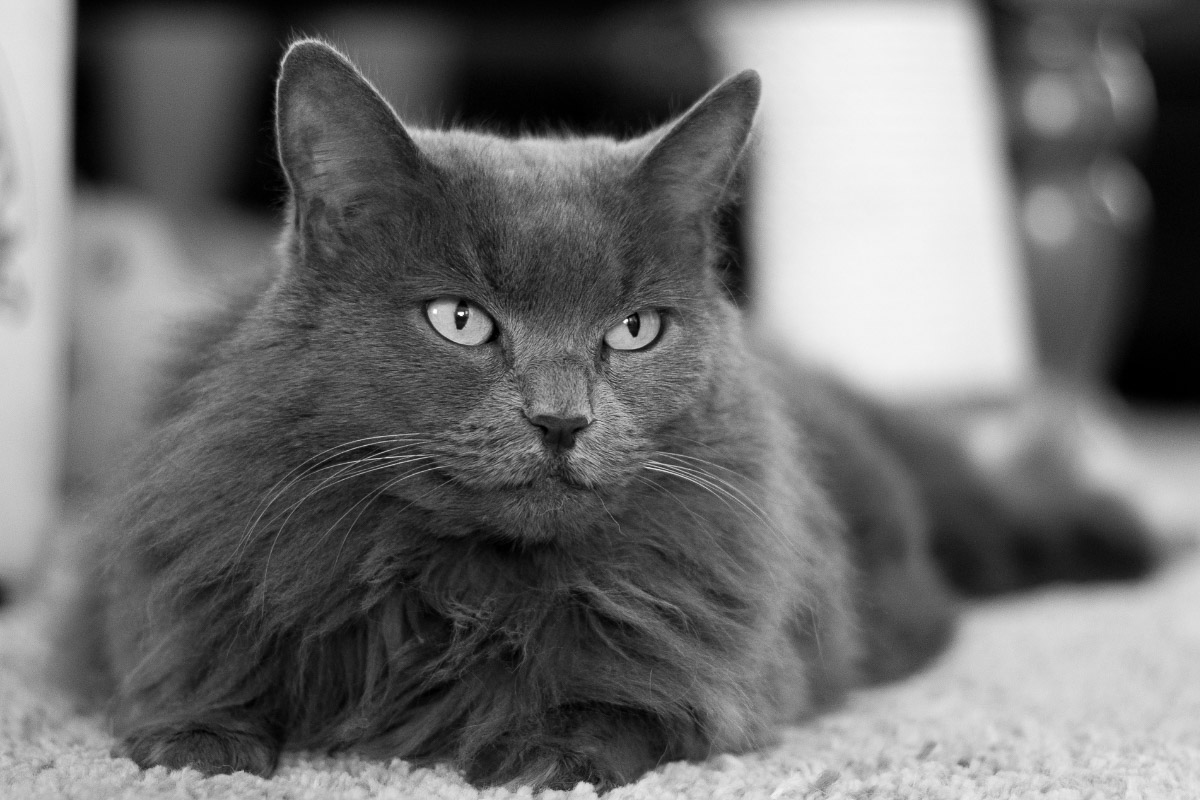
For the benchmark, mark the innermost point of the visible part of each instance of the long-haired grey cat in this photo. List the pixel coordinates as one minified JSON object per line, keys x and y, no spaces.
{"x":493,"y":474}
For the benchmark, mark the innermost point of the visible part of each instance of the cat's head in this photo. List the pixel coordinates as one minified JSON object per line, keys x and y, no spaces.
{"x":528,"y":318}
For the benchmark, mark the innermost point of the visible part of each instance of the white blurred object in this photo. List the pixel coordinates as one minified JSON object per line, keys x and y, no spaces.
{"x":35,"y":40}
{"x":882,"y":228}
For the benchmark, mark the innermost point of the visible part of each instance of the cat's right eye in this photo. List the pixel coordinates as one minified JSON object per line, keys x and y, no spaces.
{"x":460,"y":321}
{"x":636,"y":332}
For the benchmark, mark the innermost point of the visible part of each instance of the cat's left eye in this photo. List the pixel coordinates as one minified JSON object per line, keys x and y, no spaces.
{"x":637,"y":331}
{"x":460,"y":321}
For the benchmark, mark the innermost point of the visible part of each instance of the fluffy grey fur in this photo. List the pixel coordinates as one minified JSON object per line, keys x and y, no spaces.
{"x":348,"y":531}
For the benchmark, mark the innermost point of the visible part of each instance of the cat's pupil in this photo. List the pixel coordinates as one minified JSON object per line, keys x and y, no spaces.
{"x":462,"y":313}
{"x":634,"y":323}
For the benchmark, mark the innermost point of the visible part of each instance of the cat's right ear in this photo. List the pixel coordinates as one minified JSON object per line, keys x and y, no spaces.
{"x":340,"y":143}
{"x":688,"y":167}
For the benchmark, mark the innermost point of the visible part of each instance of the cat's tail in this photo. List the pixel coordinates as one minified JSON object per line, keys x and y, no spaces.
{"x":1032,"y":517}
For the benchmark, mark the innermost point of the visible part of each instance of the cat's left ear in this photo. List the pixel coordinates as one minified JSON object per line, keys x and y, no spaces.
{"x":689,"y":165}
{"x":339,"y":140}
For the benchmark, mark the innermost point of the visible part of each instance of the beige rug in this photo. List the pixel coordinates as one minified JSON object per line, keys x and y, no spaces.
{"x":1069,"y":692}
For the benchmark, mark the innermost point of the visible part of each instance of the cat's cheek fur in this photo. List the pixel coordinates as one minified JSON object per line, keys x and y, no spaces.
{"x":661,"y":383}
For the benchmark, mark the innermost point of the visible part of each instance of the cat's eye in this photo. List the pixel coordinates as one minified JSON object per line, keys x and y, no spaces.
{"x":637,"y":331}
{"x":460,"y":321}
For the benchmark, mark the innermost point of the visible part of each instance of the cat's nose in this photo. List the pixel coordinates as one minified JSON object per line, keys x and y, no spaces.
{"x":558,"y":433}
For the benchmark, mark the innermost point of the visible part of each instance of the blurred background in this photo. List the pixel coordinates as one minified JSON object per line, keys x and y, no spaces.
{"x":947,"y":196}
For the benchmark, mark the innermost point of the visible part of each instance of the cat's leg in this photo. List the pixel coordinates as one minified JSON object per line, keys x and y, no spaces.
{"x":601,"y":745}
{"x":906,"y":611}
{"x":199,"y":729}
{"x":214,"y":745}
{"x":907,"y":616}
{"x":190,"y":693}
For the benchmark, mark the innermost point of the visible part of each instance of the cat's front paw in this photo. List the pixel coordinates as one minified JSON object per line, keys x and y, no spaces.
{"x":545,"y":767}
{"x":210,"y":751}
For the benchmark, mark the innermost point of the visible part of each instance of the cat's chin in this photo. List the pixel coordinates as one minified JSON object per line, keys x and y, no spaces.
{"x":546,"y":509}
{"x":543,"y":510}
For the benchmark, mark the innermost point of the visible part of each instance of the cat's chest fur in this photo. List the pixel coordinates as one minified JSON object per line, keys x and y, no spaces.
{"x":454,"y":633}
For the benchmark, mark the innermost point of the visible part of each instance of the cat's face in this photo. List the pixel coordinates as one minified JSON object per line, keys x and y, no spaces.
{"x":522,"y":322}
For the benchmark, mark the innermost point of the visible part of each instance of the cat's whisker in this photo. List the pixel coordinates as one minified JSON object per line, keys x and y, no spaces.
{"x":719,"y":489}
{"x":351,"y":471}
{"x":693,"y":442}
{"x":712,"y":488}
{"x":326,"y":484}
{"x":329,"y":454}
{"x":657,"y":486}
{"x":606,"y":511}
{"x":708,"y":481}
{"x":366,"y":501}
{"x":342,"y":467}
{"x":705,"y":470}
{"x":697,"y":459}
{"x":344,"y":471}
{"x":325,"y":460}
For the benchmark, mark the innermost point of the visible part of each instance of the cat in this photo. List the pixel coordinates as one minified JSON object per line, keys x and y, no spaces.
{"x":494,"y":474}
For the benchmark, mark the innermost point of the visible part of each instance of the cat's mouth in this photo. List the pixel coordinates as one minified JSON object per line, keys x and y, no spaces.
{"x":565,"y":482}
{"x":553,"y":489}
{"x":539,"y":477}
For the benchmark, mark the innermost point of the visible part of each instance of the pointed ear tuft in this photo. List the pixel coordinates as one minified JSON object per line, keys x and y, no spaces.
{"x":339,"y":140}
{"x":690,"y":162}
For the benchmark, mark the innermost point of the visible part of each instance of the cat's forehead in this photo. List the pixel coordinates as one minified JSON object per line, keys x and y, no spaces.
{"x":543,"y":221}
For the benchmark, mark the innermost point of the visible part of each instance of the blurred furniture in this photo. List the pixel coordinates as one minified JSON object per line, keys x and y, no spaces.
{"x":1080,"y":108}
{"x":35,"y":40}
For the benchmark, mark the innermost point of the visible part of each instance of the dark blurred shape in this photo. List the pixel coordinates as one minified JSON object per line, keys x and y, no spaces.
{"x":1103,"y":101}
{"x":1160,"y":362}
{"x":599,"y":66}
{"x":591,"y":67}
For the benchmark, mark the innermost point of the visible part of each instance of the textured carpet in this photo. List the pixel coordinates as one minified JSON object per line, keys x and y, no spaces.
{"x":1069,"y":692}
